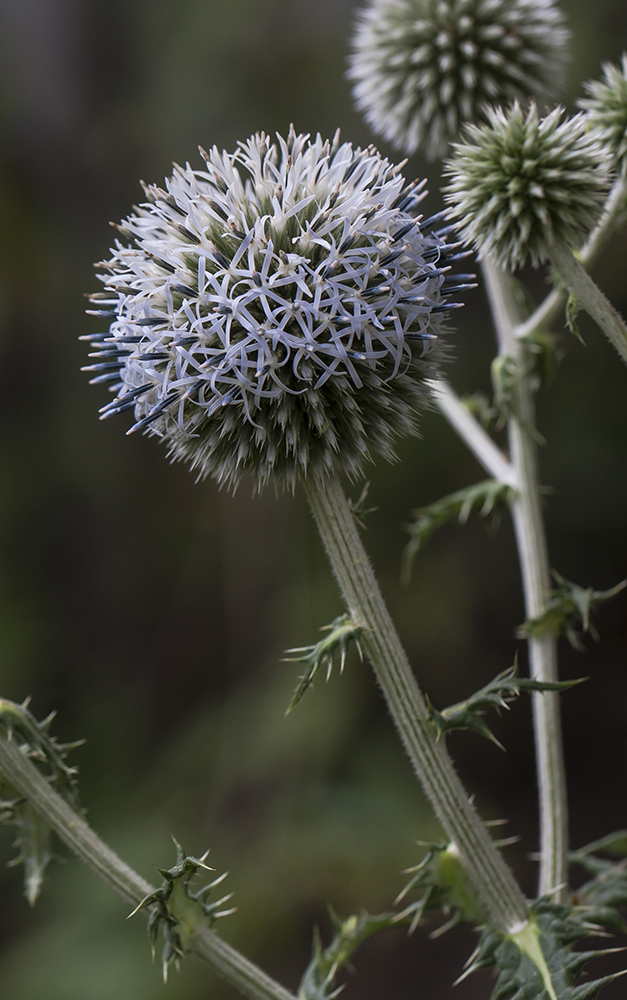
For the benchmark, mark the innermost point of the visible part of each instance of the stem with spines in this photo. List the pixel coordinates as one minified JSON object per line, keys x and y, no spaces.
{"x":549,"y":310}
{"x":71,"y":828}
{"x":589,"y":296}
{"x":534,"y":564}
{"x":492,"y":880}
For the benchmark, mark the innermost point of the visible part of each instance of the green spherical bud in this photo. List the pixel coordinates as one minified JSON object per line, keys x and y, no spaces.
{"x":606,"y":108}
{"x":423,"y":68}
{"x":272,"y":314}
{"x":519,"y":183}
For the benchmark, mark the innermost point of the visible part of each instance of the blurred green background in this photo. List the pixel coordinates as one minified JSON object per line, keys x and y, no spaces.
{"x":153,"y":612}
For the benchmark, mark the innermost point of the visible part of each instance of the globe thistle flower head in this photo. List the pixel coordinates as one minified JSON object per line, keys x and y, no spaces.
{"x":422,"y":68}
{"x":275,"y":313}
{"x":606,"y":106}
{"x":519,"y":183}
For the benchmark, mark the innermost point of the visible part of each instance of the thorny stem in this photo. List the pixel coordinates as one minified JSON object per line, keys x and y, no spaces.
{"x":228,"y":963}
{"x":549,"y":310}
{"x":589,"y":296}
{"x":534,"y":563}
{"x":492,"y":880}
{"x":472,"y":433}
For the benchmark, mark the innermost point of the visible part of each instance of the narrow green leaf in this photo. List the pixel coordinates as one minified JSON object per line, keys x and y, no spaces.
{"x":483,"y":497}
{"x":33,"y":833}
{"x":318,"y":982}
{"x":177,"y":911}
{"x":569,"y":611}
{"x":497,"y":694}
{"x":572,"y":311}
{"x":342,"y":632}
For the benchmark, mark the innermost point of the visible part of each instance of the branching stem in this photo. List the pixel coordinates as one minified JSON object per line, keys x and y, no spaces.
{"x":494,"y":883}
{"x":228,"y":963}
{"x":472,"y":433}
{"x":549,"y":310}
{"x":534,"y":563}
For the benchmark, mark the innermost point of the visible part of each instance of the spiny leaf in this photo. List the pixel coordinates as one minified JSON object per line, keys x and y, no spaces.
{"x":318,"y":982}
{"x":480,"y":406}
{"x":482,"y":497}
{"x":447,"y":888}
{"x":606,"y":891}
{"x":178,"y":912}
{"x":572,"y":311}
{"x":358,"y":507}
{"x":33,"y":833}
{"x":497,"y":694}
{"x":536,"y":961}
{"x":506,"y":374}
{"x":569,"y":611}
{"x":342,"y":632}
{"x":543,"y":352}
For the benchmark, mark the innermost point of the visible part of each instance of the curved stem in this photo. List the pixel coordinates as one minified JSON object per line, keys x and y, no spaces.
{"x":549,"y":310}
{"x":228,"y":963}
{"x":534,"y":564}
{"x":492,"y":880}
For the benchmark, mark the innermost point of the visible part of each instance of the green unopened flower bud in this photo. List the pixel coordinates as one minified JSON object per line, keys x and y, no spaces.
{"x":520,"y":183}
{"x":272,"y":313}
{"x":606,"y":106}
{"x":422,"y":68}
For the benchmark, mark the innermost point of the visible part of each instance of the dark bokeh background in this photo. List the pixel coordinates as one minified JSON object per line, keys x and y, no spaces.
{"x":152,"y":612}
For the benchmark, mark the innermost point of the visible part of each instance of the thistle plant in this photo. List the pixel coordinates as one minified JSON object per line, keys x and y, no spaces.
{"x":606,"y":107}
{"x":422,"y":68}
{"x":277,"y":325}
{"x":278,"y":315}
{"x":520,"y":183}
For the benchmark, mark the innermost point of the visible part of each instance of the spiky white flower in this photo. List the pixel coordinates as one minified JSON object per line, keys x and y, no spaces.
{"x":422,"y":68}
{"x":606,"y":106}
{"x":520,"y":183}
{"x":271,"y":314}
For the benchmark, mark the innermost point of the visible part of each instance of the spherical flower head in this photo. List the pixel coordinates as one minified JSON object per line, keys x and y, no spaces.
{"x":520,"y":183}
{"x":422,"y":68}
{"x":272,"y":313}
{"x":607,"y":109}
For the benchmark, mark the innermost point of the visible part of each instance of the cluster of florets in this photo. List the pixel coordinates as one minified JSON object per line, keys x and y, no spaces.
{"x":272,"y":313}
{"x":520,"y":183}
{"x":422,"y":68}
{"x":606,"y":107}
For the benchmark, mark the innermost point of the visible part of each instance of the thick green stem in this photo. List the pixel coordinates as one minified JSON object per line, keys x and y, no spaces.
{"x":494,"y":883}
{"x":589,"y":296}
{"x":228,"y":963}
{"x":534,"y":564}
{"x":549,"y":310}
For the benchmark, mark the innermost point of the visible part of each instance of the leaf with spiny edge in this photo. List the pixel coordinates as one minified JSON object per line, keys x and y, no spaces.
{"x":481,"y":408}
{"x":447,"y":888}
{"x":33,"y":833}
{"x":342,"y":632}
{"x":542,"y":349}
{"x":318,"y":982}
{"x":482,"y":497}
{"x":497,"y":694}
{"x":569,"y":611}
{"x":570,"y":317}
{"x":505,"y":374}
{"x":606,"y":891}
{"x":358,"y":507}
{"x":178,"y":912}
{"x":535,"y":961}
